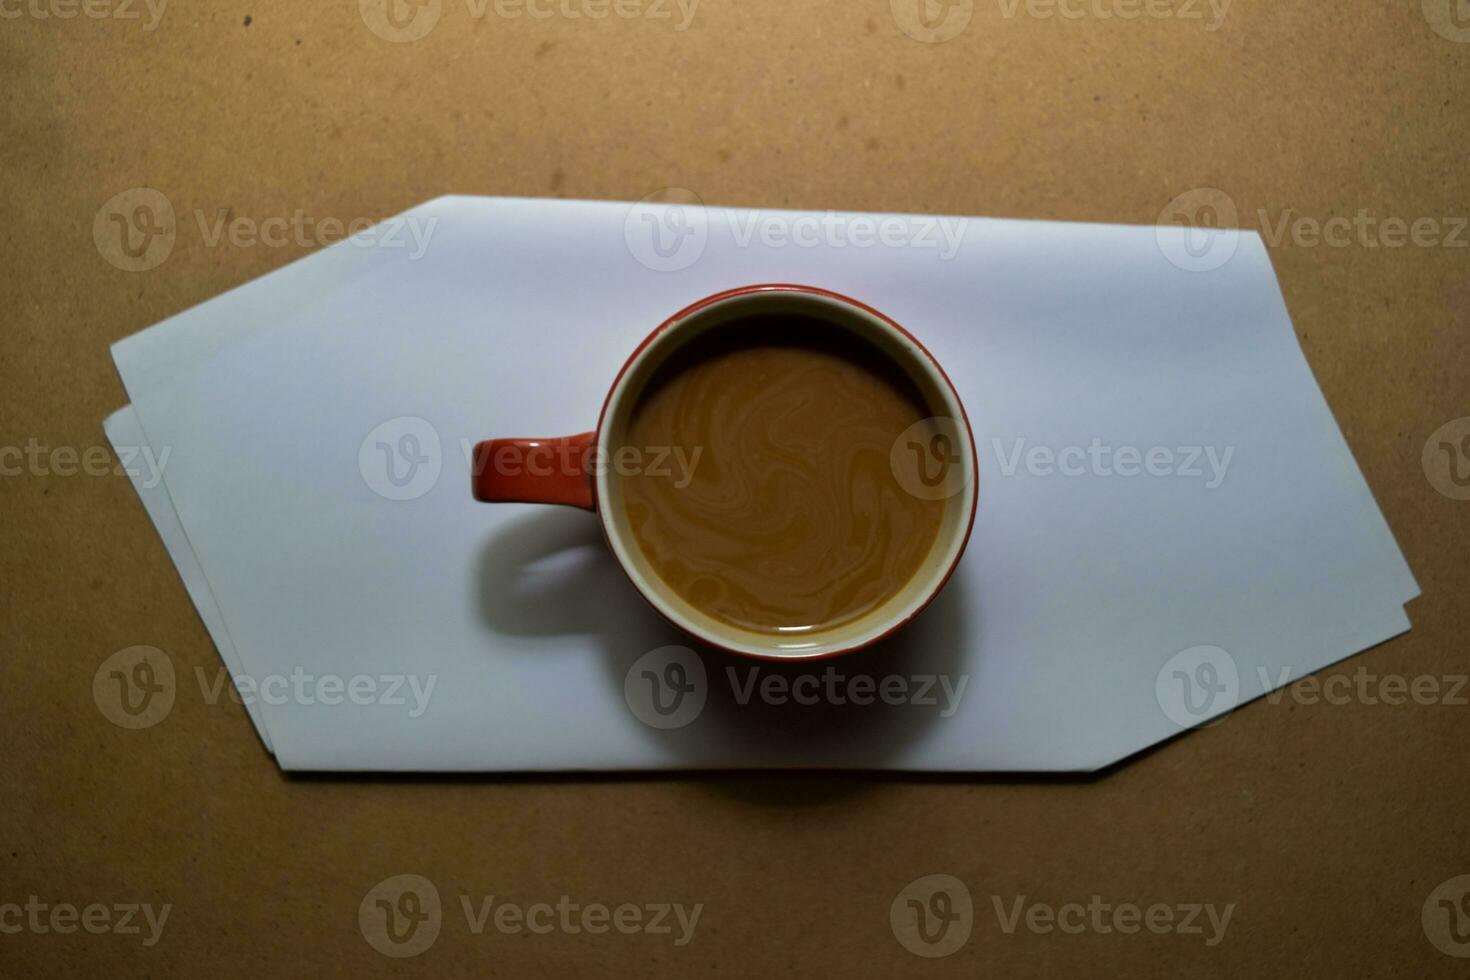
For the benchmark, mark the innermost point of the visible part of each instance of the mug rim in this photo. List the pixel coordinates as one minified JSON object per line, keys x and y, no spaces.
{"x":615,"y":535}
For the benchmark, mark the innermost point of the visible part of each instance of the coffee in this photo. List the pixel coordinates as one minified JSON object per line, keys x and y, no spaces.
{"x":791,"y":518}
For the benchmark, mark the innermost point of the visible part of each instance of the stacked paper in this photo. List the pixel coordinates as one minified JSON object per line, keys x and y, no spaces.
{"x":1170,"y":521}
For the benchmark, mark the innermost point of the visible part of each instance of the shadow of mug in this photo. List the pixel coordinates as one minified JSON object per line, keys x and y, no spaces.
{"x":550,"y":573}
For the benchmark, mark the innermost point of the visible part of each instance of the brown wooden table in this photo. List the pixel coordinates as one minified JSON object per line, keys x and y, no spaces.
{"x":1327,"y":826}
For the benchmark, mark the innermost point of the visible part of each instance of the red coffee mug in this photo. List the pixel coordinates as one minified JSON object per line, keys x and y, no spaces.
{"x":566,"y":470}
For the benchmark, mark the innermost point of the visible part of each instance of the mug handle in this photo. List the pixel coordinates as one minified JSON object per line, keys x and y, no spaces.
{"x":535,"y":471}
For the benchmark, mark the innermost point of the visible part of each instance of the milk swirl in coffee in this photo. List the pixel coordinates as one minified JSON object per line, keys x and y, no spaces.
{"x":793,"y":520}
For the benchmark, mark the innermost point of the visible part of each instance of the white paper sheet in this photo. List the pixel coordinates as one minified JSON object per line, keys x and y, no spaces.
{"x":125,"y":434}
{"x":1076,"y":596}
